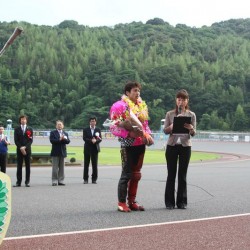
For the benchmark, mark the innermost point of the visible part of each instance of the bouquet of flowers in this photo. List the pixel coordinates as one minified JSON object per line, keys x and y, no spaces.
{"x":119,"y":113}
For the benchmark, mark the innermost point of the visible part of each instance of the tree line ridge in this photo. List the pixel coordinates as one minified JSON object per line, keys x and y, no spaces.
{"x":72,"y":71}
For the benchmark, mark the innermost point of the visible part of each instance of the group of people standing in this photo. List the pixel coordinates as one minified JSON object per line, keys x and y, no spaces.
{"x":129,"y":122}
{"x":59,"y":138}
{"x":23,"y":138}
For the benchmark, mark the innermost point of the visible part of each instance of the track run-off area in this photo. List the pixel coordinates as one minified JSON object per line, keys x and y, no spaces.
{"x":78,"y":216}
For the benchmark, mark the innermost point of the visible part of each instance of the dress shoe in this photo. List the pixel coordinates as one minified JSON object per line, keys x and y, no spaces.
{"x":54,"y":184}
{"x":169,"y":207}
{"x":85,"y":182}
{"x":94,"y":182}
{"x":17,"y":185}
{"x":27,"y":185}
{"x":181,"y":206}
{"x":61,"y":184}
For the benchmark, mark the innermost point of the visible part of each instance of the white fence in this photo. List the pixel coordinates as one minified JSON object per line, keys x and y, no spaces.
{"x":200,"y":135}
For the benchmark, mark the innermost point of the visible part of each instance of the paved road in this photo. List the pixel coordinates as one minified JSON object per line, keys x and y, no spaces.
{"x":215,"y":189}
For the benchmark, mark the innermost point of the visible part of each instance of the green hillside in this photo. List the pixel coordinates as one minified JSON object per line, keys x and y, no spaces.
{"x":71,"y":71}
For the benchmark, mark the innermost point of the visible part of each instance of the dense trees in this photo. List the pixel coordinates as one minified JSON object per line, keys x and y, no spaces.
{"x":71,"y":71}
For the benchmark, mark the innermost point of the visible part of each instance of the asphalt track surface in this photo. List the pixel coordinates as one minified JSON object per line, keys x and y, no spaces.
{"x":79,"y":216}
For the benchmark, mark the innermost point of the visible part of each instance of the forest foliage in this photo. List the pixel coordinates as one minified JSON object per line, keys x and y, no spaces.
{"x":71,"y":71}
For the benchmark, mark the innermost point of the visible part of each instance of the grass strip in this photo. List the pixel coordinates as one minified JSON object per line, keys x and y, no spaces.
{"x":111,"y":156}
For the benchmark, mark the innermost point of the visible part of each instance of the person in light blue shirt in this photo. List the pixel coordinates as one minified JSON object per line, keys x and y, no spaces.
{"x":3,"y":149}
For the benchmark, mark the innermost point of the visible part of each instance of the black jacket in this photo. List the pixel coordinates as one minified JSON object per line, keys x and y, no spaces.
{"x":58,"y":146}
{"x":87,"y":137}
{"x":23,"y":139}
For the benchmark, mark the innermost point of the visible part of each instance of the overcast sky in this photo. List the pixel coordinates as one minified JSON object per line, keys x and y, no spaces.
{"x":194,"y":13}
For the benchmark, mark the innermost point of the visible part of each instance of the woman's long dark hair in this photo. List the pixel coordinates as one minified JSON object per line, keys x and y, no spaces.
{"x":184,"y":95}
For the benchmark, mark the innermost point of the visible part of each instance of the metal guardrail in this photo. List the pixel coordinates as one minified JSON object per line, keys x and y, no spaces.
{"x":200,"y":135}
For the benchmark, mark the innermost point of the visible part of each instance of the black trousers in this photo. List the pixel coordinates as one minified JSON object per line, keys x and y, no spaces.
{"x":93,"y":156}
{"x":132,"y":160}
{"x":3,"y":161}
{"x":174,"y":155}
{"x":20,"y":158}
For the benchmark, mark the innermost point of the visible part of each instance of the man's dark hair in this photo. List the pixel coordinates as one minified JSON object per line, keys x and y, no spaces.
{"x":22,"y":116}
{"x":130,"y":85}
{"x":92,"y":118}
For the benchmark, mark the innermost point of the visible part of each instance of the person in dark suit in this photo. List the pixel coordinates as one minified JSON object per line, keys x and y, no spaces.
{"x":92,"y":138}
{"x":58,"y":138}
{"x":23,"y":137}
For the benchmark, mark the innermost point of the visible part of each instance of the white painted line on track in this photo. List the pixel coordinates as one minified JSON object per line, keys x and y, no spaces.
{"x":127,"y":227}
{"x":220,"y":162}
